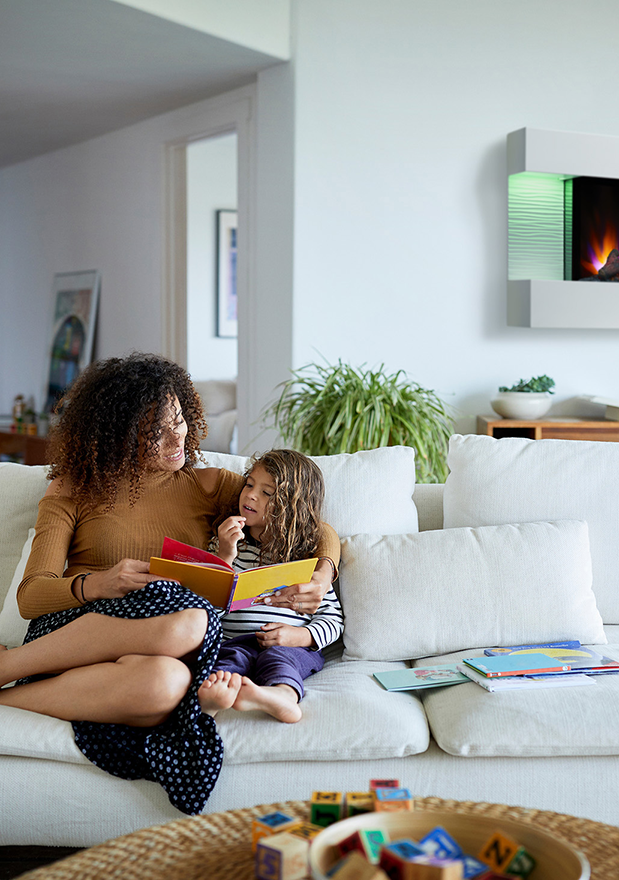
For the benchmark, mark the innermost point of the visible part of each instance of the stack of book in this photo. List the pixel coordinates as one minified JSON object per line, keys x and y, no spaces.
{"x":555,"y":664}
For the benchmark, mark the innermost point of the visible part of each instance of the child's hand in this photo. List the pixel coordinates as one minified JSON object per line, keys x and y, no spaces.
{"x":283,"y":634}
{"x":229,"y":533}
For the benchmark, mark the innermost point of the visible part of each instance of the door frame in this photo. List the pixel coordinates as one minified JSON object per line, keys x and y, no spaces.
{"x":225,"y":114}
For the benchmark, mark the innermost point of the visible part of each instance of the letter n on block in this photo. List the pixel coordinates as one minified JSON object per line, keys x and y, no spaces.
{"x":498,"y":851}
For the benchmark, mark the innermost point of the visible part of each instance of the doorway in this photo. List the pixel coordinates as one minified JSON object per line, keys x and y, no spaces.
{"x":212,"y":348}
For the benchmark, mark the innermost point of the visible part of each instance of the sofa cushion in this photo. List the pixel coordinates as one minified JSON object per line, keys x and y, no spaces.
{"x":365,"y":491}
{"x":410,"y":596}
{"x":347,"y":716}
{"x":469,"y":721}
{"x":21,"y":489}
{"x":13,"y":627}
{"x":515,"y":480}
{"x":24,"y":733}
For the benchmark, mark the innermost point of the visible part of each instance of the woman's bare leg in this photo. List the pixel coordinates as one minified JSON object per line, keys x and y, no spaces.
{"x":137,"y":690}
{"x":97,"y":638}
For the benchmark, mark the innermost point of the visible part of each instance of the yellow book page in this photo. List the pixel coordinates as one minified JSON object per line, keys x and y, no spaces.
{"x":263,"y":580}
{"x":211,"y":583}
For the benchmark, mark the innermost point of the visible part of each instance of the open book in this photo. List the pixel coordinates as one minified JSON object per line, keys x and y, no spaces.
{"x":215,"y":580}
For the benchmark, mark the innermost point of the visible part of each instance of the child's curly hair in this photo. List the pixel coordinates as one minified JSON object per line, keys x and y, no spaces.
{"x":110,"y":422}
{"x":292,"y":529}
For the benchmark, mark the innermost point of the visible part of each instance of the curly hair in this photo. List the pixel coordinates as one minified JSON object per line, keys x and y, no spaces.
{"x":110,"y":423}
{"x":293,"y":513}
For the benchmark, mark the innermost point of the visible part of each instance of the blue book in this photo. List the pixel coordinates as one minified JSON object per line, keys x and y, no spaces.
{"x":420,"y":677}
{"x":570,"y":644}
{"x":515,"y":664}
{"x":579,"y":658}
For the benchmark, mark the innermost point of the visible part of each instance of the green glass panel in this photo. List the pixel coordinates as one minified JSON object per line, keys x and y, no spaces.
{"x":536,"y":227}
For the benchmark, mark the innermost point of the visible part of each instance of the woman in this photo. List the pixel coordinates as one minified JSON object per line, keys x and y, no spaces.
{"x":118,"y":655}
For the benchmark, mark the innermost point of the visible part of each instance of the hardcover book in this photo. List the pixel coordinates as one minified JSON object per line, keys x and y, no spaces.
{"x":215,"y":580}
{"x":579,"y":658}
{"x":520,"y":682}
{"x":570,"y":644}
{"x":420,"y":677}
{"x":514,"y":664}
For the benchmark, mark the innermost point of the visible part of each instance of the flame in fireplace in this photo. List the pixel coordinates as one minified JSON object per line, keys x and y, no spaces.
{"x":600,"y":249}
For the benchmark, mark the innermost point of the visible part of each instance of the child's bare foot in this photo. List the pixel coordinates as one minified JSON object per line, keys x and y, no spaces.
{"x":219,"y":691}
{"x":280,"y":700}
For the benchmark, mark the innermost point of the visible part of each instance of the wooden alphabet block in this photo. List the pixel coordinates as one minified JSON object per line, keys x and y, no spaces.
{"x":384,"y":783}
{"x":327,"y":807}
{"x":367,"y":841}
{"x":492,"y":875}
{"x":522,"y":864}
{"x":271,"y":823}
{"x":430,"y":868}
{"x":472,"y":867}
{"x":498,"y":851}
{"x":281,"y":857}
{"x":389,"y":800}
{"x":355,"y":867}
{"x":305,"y":830}
{"x":359,"y":802}
{"x":396,"y":856}
{"x":440,"y":844}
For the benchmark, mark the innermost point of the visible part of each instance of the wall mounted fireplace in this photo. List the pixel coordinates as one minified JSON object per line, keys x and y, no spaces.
{"x":563,"y":230}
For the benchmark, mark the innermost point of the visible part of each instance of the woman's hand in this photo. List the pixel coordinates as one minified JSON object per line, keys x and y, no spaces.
{"x":305,"y":598}
{"x":283,"y":634}
{"x":229,"y":533}
{"x":126,"y":576}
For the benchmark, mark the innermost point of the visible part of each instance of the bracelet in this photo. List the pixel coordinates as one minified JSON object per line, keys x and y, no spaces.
{"x":83,"y":578}
{"x":332,"y":564}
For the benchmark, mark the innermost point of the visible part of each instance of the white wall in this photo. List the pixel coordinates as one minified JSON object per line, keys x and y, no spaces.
{"x":380,"y":167}
{"x":97,"y":205}
{"x":211,"y":185}
{"x":263,"y":25}
{"x":402,"y":110}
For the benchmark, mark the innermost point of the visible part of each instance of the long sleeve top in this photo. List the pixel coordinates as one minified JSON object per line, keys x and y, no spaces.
{"x":326,"y":624}
{"x":69,"y":534}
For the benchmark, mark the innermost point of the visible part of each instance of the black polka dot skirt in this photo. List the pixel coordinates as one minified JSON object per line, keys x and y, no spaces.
{"x":183,"y":754}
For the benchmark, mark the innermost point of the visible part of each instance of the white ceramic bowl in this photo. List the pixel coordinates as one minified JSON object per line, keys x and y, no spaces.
{"x":522,"y":404}
{"x":556,"y":860}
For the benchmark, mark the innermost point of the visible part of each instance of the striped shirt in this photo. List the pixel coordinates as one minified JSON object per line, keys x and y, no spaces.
{"x":326,"y":625}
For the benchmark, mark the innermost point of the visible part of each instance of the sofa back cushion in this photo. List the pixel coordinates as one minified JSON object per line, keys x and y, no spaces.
{"x":21,"y":489}
{"x":516,"y":480}
{"x":365,"y":491}
{"x":412,"y":596}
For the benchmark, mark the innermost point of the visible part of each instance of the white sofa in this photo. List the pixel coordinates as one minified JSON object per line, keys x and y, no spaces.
{"x":445,"y":592}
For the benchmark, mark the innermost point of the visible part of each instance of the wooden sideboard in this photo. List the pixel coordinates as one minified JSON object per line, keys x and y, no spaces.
{"x":549,"y":429}
{"x":24,"y":448}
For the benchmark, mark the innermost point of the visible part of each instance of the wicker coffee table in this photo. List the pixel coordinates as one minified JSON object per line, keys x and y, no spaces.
{"x":219,"y":846}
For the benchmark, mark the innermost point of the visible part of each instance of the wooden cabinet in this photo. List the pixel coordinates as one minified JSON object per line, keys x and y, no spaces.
{"x":549,"y":429}
{"x":23,"y":448}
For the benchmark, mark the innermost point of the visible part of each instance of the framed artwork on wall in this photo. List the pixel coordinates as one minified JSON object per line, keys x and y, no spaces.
{"x":76,"y":297}
{"x":226,"y":226}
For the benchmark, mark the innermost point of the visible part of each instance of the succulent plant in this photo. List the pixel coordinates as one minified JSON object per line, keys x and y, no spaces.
{"x":537,"y":385}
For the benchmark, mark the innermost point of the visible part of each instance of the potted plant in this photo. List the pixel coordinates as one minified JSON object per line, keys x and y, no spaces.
{"x":525,"y":400}
{"x":328,"y":409}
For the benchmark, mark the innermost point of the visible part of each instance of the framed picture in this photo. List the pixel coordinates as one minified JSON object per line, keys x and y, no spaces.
{"x":76,"y":297}
{"x":226,"y":273}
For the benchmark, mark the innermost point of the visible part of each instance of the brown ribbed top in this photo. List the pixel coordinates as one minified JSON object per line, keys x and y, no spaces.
{"x":173,"y":504}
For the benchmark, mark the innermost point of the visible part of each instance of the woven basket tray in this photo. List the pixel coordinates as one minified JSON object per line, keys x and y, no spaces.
{"x":218,"y":846}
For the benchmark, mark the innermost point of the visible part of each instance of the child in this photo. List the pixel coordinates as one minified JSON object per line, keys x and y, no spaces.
{"x":278,"y":521}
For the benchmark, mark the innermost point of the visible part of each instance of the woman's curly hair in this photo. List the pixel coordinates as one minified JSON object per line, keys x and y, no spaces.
{"x":110,"y":423}
{"x":293,"y":513}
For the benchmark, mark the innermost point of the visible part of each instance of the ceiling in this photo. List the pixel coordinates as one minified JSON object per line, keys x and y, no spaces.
{"x":71,"y":70}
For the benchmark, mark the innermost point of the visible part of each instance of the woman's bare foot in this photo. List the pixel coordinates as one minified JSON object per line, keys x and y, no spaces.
{"x":219,"y":691}
{"x":279,"y":700}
